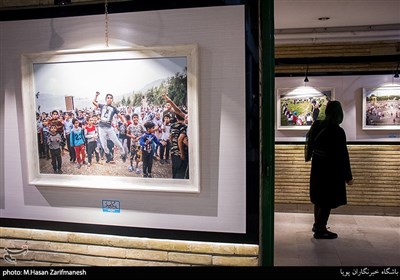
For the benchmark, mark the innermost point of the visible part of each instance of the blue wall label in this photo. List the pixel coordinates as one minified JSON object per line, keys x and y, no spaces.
{"x":113,"y":206}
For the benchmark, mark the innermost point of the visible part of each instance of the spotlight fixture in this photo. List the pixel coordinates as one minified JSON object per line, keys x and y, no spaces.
{"x":324,"y":18}
{"x":62,"y":2}
{"x":396,"y":74}
{"x":306,"y":80}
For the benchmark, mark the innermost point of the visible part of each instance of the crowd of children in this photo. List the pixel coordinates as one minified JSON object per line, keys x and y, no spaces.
{"x":306,"y":117}
{"x":141,"y":134}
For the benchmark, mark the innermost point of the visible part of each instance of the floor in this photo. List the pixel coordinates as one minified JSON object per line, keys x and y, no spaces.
{"x":363,"y":241}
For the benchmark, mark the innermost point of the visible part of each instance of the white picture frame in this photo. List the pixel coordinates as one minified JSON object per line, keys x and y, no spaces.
{"x":72,"y":58}
{"x":381,"y":108}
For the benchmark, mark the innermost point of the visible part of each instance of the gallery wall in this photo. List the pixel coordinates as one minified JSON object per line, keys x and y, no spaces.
{"x":220,"y":206}
{"x":349,"y":91}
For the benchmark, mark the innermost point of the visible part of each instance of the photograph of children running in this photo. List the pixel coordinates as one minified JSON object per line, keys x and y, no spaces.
{"x":102,"y":110}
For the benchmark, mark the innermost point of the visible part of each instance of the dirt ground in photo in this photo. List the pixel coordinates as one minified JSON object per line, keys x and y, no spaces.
{"x":102,"y":168}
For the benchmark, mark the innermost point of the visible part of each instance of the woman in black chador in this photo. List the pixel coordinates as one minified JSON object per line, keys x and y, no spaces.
{"x":330,"y":168}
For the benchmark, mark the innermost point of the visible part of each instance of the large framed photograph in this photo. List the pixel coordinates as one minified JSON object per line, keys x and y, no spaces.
{"x":298,"y":108}
{"x":113,"y":118}
{"x":381,"y":108}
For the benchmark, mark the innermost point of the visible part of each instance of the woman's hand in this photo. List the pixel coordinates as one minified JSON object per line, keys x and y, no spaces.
{"x":350,"y":182}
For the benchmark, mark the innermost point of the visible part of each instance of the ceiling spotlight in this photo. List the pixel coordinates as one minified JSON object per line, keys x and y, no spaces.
{"x":306,"y":80}
{"x":62,"y":2}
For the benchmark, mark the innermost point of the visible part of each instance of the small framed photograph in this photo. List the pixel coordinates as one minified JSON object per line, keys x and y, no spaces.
{"x":381,"y":108}
{"x":113,"y":118}
{"x":298,"y":108}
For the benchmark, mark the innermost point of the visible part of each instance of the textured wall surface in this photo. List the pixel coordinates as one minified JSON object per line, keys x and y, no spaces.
{"x":376,"y":172}
{"x":54,"y":248}
{"x":361,"y":50}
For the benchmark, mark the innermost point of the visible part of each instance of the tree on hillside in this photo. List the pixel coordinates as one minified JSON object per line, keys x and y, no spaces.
{"x":137,"y":100}
{"x":150,"y":96}
{"x":177,"y":88}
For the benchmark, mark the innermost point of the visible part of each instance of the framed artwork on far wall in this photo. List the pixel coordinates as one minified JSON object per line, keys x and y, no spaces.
{"x":298,"y":108}
{"x":67,"y":87}
{"x":381,"y":108}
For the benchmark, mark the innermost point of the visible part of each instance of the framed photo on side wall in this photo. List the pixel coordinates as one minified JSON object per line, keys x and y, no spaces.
{"x":107,"y":99}
{"x":298,"y":108}
{"x":381,"y":108}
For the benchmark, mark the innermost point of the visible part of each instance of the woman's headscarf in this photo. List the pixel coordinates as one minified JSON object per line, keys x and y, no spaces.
{"x":334,"y":112}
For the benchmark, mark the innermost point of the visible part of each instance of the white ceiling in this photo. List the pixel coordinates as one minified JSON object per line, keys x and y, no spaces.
{"x":305,"y":13}
{"x":348,"y":20}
